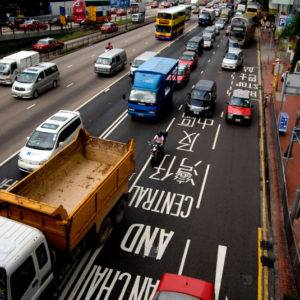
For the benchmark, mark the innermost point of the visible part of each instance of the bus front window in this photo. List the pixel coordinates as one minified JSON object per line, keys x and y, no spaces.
{"x":140,"y":96}
{"x":163,"y":29}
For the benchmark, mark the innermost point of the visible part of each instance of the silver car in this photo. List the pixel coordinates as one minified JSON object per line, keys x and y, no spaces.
{"x":233,"y":60}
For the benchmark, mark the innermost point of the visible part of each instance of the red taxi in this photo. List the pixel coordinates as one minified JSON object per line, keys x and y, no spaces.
{"x":178,"y":287}
{"x":48,"y":44}
{"x":165,"y":4}
{"x":183,"y":74}
{"x":121,"y":12}
{"x":189,"y":58}
{"x":109,"y":27}
{"x":239,"y":108}
{"x":154,"y":4}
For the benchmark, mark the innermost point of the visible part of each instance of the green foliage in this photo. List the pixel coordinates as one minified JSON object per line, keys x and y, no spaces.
{"x":288,"y":297}
{"x":292,"y":30}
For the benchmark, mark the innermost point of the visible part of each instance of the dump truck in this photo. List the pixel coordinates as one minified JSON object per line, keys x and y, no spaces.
{"x":138,"y":11}
{"x":79,"y":194}
{"x":14,"y":64}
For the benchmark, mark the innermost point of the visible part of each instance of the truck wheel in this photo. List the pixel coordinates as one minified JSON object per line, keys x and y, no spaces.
{"x":35,"y":94}
{"x":120,"y":210}
{"x":104,"y":231}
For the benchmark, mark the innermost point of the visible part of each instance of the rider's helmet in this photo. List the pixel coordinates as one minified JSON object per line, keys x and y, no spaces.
{"x":159,"y":133}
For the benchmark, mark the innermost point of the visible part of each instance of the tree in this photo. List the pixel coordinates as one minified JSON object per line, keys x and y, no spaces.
{"x":291,"y":32}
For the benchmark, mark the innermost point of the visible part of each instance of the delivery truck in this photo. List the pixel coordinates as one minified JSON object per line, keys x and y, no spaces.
{"x":77,"y":195}
{"x":206,"y":16}
{"x":153,"y":86}
{"x":138,"y":11}
{"x":12,"y":65}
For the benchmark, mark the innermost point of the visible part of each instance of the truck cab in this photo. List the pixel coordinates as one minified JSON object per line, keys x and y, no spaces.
{"x":25,"y":264}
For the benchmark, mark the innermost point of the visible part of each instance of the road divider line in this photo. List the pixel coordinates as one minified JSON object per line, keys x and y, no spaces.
{"x":216,"y":137}
{"x":31,"y":106}
{"x":114,"y":125}
{"x":187,"y":245}
{"x":219,"y":269}
{"x":180,"y":107}
{"x":172,"y":121}
{"x":69,"y":85}
{"x":70,"y":66}
{"x":202,"y":187}
{"x":83,"y":276}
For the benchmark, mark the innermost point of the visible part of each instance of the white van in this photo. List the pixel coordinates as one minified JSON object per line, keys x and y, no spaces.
{"x":48,"y":138}
{"x":111,"y":61}
{"x":25,"y":264}
{"x":35,"y":80}
{"x":141,"y":59}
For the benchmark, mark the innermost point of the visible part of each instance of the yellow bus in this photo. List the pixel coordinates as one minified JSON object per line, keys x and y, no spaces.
{"x":169,"y":22}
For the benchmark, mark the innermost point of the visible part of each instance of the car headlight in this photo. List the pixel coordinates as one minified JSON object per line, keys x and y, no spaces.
{"x":229,"y":116}
{"x":247,"y":117}
{"x":130,"y":109}
{"x":42,"y":161}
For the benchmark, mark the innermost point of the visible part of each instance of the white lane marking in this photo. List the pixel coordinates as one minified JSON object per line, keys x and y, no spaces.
{"x":216,"y":137}
{"x":75,"y":274}
{"x":114,"y":125}
{"x":69,"y":85}
{"x":31,"y":106}
{"x":83,"y":276}
{"x":105,"y":91}
{"x":70,"y":66}
{"x":93,"y":55}
{"x":231,"y":83}
{"x":202,"y":187}
{"x":222,"y":114}
{"x":140,"y":174}
{"x":219,"y":269}
{"x":168,"y":128}
{"x":214,"y":52}
{"x":180,"y":107}
{"x":187,"y":245}
{"x":202,"y":72}
{"x":208,"y":61}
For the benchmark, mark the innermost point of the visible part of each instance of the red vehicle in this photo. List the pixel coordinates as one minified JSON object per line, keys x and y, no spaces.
{"x":239,"y":108}
{"x":109,"y":27}
{"x":183,"y":74}
{"x":165,"y":4}
{"x":121,"y":12}
{"x":113,"y":10}
{"x":154,"y":4}
{"x":48,"y":44}
{"x":33,"y":25}
{"x":174,"y":287}
{"x":189,"y":58}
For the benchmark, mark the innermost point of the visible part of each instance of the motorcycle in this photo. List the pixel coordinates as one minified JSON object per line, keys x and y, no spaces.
{"x":157,"y":151}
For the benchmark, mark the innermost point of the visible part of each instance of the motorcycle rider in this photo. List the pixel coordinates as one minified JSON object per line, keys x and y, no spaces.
{"x":109,"y":46}
{"x":159,"y":139}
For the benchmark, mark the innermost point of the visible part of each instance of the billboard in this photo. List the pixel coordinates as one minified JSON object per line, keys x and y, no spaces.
{"x":120,"y":3}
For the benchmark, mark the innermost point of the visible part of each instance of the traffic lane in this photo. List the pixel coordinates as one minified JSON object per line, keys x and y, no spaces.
{"x":245,"y":274}
{"x":78,"y":84}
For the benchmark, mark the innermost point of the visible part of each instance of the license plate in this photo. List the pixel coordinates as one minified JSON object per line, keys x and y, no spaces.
{"x":140,"y":115}
{"x":238,"y":120}
{"x":196,"y":112}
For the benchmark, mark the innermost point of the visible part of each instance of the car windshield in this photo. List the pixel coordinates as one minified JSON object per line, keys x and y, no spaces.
{"x":3,"y":284}
{"x":200,"y":95}
{"x":181,"y":71}
{"x":240,"y":102}
{"x":137,"y":62}
{"x":142,"y":96}
{"x":42,"y":42}
{"x":187,"y":57}
{"x":25,"y":77}
{"x":231,"y":56}
{"x":4,"y":68}
{"x":42,"y":140}
{"x":173,"y":295}
{"x":192,"y":44}
{"x":206,"y":38}
{"x":204,"y":16}
{"x":103,"y":61}
{"x":107,"y":25}
{"x":234,"y":45}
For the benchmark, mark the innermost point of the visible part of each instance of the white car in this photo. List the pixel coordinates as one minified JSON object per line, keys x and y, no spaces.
{"x":208,"y":40}
{"x":49,"y":138}
{"x":220,"y":23}
{"x":233,"y":60}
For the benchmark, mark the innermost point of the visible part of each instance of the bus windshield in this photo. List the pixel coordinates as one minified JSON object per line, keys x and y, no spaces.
{"x":140,"y":96}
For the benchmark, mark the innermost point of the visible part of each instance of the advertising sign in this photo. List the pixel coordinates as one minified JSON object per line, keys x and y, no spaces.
{"x":120,"y":3}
